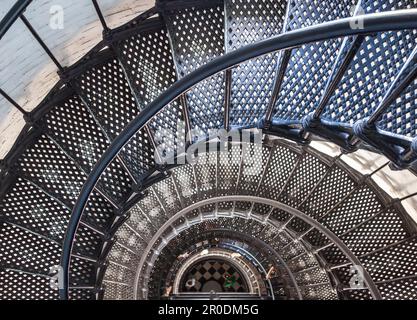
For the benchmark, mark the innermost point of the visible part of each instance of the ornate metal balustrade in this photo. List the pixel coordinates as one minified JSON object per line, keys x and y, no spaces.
{"x":89,"y":151}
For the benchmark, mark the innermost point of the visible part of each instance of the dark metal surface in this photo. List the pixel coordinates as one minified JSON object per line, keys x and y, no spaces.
{"x":373,"y":23}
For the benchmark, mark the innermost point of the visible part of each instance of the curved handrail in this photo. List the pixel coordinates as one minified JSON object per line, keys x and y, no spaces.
{"x":377,"y":22}
{"x":12,"y":15}
{"x":273,"y":203}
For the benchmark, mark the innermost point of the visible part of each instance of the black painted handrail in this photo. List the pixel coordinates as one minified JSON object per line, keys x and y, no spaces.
{"x":12,"y":15}
{"x":377,"y":22}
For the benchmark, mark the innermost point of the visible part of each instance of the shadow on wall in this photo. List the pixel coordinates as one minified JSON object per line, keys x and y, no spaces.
{"x":70,"y":29}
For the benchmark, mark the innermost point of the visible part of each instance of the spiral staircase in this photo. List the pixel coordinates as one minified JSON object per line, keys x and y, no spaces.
{"x":307,"y":192}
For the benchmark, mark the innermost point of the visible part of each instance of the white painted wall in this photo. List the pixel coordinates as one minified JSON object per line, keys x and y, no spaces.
{"x":398,"y":184}
{"x":26,"y":72}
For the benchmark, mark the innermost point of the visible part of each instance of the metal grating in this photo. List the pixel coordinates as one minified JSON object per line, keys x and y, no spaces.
{"x":168,"y":195}
{"x":306,"y":176}
{"x":278,"y":215}
{"x":28,"y":206}
{"x":82,"y":273}
{"x":316,"y":238}
{"x":291,"y":251}
{"x":383,"y":230}
{"x":116,"y":291}
{"x":254,"y":159}
{"x":396,"y":261}
{"x":229,"y":161}
{"x":197,"y":36}
{"x":141,"y":223}
{"x":333,"y":255}
{"x":186,"y":184}
{"x":82,"y":294}
{"x":261,"y":210}
{"x":130,"y":239}
{"x":46,"y":165}
{"x":87,"y":243}
{"x":279,"y":241}
{"x":151,"y":206}
{"x":115,"y":182}
{"x":310,"y":65}
{"x":139,"y":154}
{"x":242,"y":207}
{"x":75,"y":130}
{"x":148,"y":61}
{"x":123,"y":256}
{"x":363,"y":294}
{"x":71,"y":125}
{"x":118,"y":274}
{"x":401,"y":118}
{"x":335,"y":186}
{"x":26,"y":251}
{"x":358,"y":207}
{"x":206,"y":174}
{"x":377,"y":61}
{"x":98,"y":212}
{"x":23,"y":286}
{"x":312,"y":276}
{"x":279,"y":169}
{"x":248,"y":21}
{"x":109,"y":96}
{"x":399,"y":290}
{"x":78,"y":130}
{"x":298,"y":225}
{"x":319,"y":292}
{"x":344,"y":275}
{"x":302,"y":262}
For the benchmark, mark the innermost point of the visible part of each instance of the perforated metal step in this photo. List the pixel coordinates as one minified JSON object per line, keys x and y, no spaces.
{"x":314,"y":214}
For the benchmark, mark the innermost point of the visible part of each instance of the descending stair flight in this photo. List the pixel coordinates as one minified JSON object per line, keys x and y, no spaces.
{"x":264,"y":147}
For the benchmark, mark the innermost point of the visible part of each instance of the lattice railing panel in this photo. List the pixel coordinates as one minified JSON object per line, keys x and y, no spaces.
{"x":401,"y":118}
{"x":310,"y":65}
{"x":378,"y":60}
{"x":249,"y":21}
{"x":148,"y":61}
{"x":197,"y":36}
